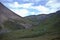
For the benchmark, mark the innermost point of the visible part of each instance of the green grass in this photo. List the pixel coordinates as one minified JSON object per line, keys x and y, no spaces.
{"x":12,"y":25}
{"x":46,"y":30}
{"x":27,"y":34}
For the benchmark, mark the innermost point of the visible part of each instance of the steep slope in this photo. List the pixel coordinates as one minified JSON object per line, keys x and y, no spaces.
{"x":48,"y":29}
{"x":46,"y":20}
{"x":37,"y":19}
{"x":6,"y":14}
{"x":10,"y":20}
{"x":45,"y":27}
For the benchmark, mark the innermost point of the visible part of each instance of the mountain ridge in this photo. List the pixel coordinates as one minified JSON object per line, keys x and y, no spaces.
{"x":8,"y":17}
{"x":39,"y":27}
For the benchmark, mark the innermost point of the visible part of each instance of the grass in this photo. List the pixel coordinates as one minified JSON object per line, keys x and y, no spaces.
{"x":12,"y":25}
{"x":30,"y":33}
{"x":46,"y":30}
{"x":25,"y":35}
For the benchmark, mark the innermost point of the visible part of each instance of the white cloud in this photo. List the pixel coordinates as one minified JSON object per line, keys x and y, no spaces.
{"x":21,"y":12}
{"x":52,"y":3}
{"x":34,"y":1}
{"x":32,"y":13}
{"x":17,"y":5}
{"x":51,"y":6}
{"x":6,"y":0}
{"x":31,"y":1}
{"x":26,"y":5}
{"x":41,"y":8}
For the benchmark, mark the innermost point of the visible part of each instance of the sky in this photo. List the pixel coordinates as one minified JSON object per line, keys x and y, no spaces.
{"x":32,"y":7}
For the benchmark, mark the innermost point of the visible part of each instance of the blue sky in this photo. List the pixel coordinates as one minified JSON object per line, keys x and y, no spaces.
{"x":32,"y":7}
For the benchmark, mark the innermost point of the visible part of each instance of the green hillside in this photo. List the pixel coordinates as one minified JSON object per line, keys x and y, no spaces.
{"x":48,"y":29}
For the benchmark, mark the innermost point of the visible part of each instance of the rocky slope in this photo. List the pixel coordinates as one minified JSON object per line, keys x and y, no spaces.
{"x":45,"y":27}
{"x":10,"y":20}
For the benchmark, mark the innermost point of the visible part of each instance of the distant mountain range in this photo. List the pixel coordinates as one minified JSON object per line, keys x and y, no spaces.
{"x":31,"y":27}
{"x":37,"y":19}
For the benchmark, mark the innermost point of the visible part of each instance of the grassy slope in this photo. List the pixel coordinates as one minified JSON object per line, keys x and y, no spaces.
{"x":48,"y":30}
{"x":12,"y":25}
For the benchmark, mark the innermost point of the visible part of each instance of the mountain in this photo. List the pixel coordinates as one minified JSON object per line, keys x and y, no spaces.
{"x":36,"y":19}
{"x":10,"y":20}
{"x":47,"y":29}
{"x":50,"y":21}
{"x":41,"y":27}
{"x":48,"y":24}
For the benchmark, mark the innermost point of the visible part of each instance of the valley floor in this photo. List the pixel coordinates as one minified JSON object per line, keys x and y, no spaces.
{"x":45,"y":37}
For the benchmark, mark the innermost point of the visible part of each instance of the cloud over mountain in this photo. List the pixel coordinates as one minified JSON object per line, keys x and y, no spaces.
{"x":31,"y":7}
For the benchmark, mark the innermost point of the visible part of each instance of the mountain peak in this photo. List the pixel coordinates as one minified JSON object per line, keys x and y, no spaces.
{"x":7,"y":12}
{"x":6,"y":15}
